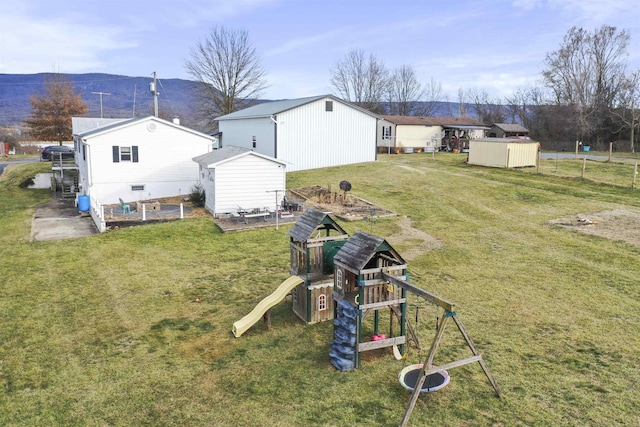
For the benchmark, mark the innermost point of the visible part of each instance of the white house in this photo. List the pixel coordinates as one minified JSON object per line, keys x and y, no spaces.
{"x":307,"y":133}
{"x":236,"y":177}
{"x":138,"y":159}
{"x":398,"y":134}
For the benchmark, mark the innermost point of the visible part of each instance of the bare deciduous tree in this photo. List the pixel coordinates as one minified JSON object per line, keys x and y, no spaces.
{"x":361,"y":80}
{"x":626,"y":106}
{"x":585,"y":73}
{"x":487,"y":110}
{"x":404,"y":91}
{"x":228,"y":71}
{"x":432,"y":96}
{"x":463,"y":107}
{"x":51,"y":112}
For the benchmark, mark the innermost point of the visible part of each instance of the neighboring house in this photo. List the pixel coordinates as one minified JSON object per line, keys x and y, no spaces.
{"x":307,"y":133}
{"x":505,"y":130}
{"x":138,"y":159}
{"x":235,"y":177}
{"x":503,"y":152}
{"x":398,"y":134}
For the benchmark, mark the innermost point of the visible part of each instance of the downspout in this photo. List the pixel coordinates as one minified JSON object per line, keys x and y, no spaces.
{"x":274,"y":119}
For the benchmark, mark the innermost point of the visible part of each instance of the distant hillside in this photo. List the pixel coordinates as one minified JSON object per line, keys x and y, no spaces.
{"x":128,"y":96}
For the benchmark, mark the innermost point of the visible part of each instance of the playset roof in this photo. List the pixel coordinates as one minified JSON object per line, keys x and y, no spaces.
{"x":362,"y":247}
{"x":310,"y":221}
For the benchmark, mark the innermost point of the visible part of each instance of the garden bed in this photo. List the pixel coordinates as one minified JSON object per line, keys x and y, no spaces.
{"x":339,"y":203}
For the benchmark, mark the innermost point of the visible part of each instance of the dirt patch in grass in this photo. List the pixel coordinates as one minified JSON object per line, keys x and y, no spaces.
{"x":619,"y":225}
{"x":339,"y":203}
{"x":424,"y":242}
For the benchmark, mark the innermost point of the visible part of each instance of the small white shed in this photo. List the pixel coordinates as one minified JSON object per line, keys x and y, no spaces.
{"x":236,"y":177}
{"x":503,"y":152}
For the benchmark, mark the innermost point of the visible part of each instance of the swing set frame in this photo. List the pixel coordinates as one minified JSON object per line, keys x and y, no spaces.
{"x":427,"y":368}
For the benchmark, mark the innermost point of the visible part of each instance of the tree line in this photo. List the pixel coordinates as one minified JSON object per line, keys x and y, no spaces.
{"x":585,"y":93}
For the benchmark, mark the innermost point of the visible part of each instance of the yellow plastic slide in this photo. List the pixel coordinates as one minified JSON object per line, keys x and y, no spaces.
{"x":241,"y":326}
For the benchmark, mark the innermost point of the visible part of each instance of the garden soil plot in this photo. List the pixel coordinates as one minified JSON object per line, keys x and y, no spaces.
{"x":339,"y":203}
{"x":169,"y":211}
{"x":619,"y":225}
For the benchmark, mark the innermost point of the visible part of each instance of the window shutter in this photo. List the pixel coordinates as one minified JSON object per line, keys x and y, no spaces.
{"x":116,"y":154}
{"x":134,"y":153}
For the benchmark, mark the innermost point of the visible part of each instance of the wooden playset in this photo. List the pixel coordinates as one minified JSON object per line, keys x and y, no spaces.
{"x":355,"y":281}
{"x":312,"y":249}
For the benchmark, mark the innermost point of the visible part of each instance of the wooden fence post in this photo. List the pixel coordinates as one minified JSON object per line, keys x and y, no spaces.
{"x":584,"y":165}
{"x":610,"y":150}
{"x":635,"y":174}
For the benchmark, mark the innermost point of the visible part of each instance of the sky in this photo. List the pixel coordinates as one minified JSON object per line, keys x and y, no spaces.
{"x":497,"y":46}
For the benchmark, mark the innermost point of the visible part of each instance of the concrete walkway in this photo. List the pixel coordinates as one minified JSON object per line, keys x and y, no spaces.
{"x":59,"y":219}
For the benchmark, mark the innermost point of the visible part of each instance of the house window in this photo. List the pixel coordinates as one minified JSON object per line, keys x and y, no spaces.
{"x":254,"y":141}
{"x":137,"y":188}
{"x":328,"y":106}
{"x":322,"y":302}
{"x":386,"y":132}
{"x":125,"y":154}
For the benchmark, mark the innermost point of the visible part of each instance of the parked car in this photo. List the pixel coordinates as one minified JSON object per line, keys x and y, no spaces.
{"x":66,"y":152}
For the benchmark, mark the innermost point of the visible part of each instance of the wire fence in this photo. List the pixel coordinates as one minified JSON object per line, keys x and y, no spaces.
{"x":620,"y":172}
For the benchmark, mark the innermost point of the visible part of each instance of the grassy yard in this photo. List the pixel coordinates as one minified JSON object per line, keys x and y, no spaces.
{"x":106,"y":330}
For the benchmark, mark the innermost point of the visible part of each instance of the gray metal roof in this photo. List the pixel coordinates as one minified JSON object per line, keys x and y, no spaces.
{"x":361,"y":248}
{"x":220,"y":155}
{"x":267,"y":109}
{"x":111,"y":126}
{"x":511,"y":127}
{"x":227,"y":153}
{"x":309,"y":222}
{"x":128,"y":122}
{"x":83,"y":124}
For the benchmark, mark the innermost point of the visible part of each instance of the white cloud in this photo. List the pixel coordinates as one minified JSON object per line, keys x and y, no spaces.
{"x":65,"y":42}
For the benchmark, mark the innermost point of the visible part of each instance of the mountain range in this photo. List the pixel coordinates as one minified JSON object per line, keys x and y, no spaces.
{"x":115,"y":96}
{"x":121,"y":96}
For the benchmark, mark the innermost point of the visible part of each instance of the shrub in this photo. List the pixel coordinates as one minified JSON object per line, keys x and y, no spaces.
{"x":197,"y":196}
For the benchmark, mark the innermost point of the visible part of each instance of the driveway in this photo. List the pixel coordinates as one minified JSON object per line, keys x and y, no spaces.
{"x":57,"y":219}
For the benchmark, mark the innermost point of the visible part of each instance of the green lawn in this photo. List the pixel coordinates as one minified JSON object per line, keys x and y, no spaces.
{"x":106,"y":330}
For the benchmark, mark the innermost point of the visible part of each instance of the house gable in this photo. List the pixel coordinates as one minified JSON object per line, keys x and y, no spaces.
{"x":139,"y":159}
{"x":306,"y":133}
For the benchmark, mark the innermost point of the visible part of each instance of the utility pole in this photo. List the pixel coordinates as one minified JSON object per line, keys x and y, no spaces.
{"x":100,"y":93}
{"x":154,"y":91}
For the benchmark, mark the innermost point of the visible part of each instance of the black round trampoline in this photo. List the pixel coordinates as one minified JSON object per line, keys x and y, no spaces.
{"x":409,"y":376}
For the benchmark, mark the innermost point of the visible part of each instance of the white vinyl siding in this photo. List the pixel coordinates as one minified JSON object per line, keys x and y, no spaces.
{"x":310,"y":137}
{"x":248,"y":181}
{"x":240,"y":133}
{"x":165,"y":164}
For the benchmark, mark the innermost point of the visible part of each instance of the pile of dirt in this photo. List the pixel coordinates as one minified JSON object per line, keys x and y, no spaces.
{"x":619,"y":225}
{"x":339,"y":203}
